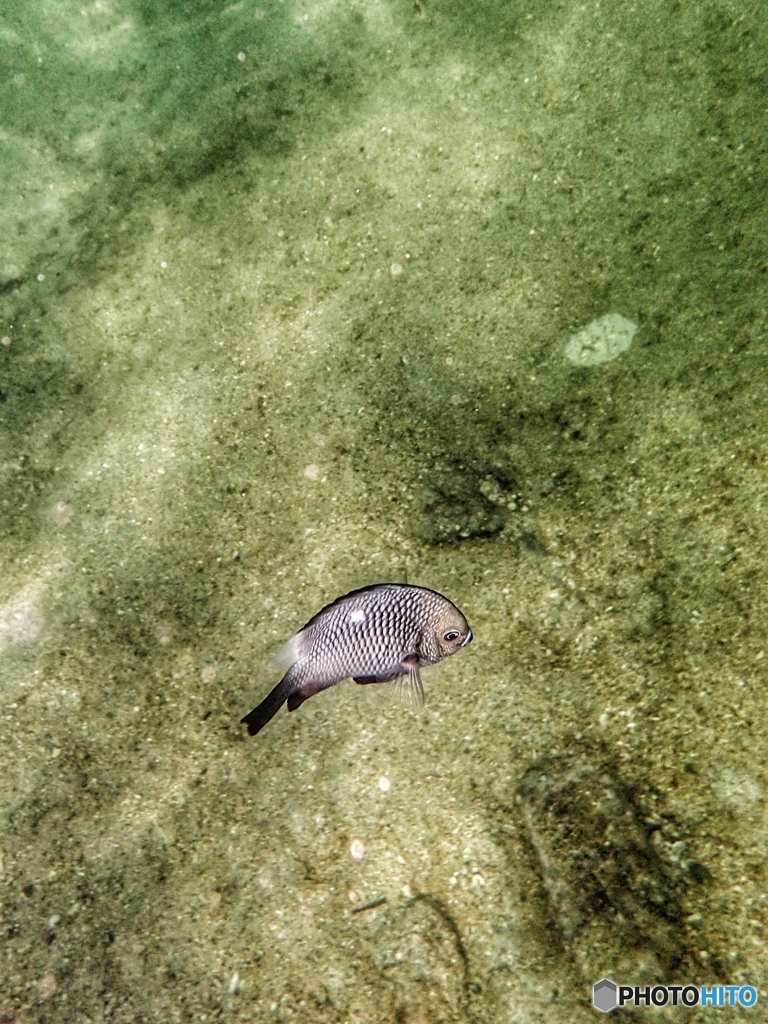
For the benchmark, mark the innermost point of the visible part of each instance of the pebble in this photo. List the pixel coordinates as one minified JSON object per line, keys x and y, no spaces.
{"x":62,"y":513}
{"x":357,"y":849}
{"x":46,"y":987}
{"x":600,"y":341}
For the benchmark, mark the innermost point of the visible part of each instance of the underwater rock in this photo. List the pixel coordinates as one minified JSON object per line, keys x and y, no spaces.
{"x":601,"y":340}
{"x":614,"y":901}
{"x":459,"y":508}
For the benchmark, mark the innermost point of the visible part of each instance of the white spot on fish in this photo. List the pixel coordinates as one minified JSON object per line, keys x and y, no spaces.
{"x":358,"y":615}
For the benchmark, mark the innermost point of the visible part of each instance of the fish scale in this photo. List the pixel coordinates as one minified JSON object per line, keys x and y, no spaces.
{"x":371,"y":639}
{"x":377,"y":634}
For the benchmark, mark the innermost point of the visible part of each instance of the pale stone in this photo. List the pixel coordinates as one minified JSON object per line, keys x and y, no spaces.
{"x":600,"y":341}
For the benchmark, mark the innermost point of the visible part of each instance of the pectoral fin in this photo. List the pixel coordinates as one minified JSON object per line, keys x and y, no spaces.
{"x":407,"y":687}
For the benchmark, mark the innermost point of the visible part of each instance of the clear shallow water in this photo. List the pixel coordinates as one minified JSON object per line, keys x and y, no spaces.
{"x":278,"y":326}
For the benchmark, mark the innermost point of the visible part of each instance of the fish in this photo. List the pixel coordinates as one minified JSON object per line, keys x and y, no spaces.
{"x":384,"y":633}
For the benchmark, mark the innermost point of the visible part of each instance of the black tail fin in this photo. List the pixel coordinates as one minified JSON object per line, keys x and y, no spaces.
{"x":258,"y":718}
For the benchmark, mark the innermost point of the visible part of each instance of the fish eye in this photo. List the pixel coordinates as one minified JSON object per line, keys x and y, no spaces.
{"x":451,"y":635}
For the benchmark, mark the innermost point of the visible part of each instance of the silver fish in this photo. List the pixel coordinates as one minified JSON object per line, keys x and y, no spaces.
{"x":380,"y":634}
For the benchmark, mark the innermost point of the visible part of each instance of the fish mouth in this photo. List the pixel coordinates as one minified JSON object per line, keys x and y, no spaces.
{"x":468,"y":639}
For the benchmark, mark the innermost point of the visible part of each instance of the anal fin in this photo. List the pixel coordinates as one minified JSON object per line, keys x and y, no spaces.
{"x":306,"y":691}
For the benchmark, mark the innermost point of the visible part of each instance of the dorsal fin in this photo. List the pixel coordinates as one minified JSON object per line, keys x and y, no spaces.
{"x":367,"y":590}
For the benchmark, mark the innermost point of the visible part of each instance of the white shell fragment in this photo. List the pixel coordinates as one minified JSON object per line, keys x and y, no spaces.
{"x":602,"y":340}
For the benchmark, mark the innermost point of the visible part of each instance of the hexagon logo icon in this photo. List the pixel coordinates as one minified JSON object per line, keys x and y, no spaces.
{"x":604,"y":995}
